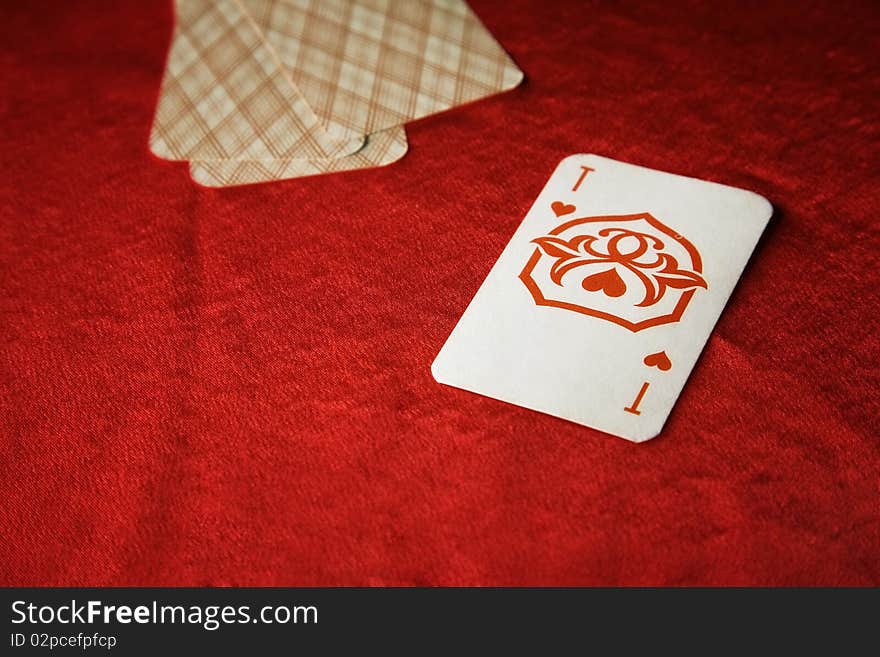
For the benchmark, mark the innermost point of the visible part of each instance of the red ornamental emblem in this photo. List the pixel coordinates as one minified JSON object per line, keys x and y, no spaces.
{"x":631,"y":270}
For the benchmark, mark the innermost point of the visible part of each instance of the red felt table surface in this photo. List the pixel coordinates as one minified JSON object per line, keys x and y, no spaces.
{"x":233,"y":388}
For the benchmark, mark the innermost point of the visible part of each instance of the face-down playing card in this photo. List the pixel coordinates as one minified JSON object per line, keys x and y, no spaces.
{"x":225,"y":96}
{"x":368,"y":65}
{"x":600,"y":305}
{"x":379,"y":149}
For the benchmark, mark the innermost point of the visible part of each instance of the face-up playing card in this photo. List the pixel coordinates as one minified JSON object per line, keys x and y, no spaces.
{"x":368,"y":65}
{"x":600,"y":305}
{"x":225,"y":96}
{"x":380,"y":148}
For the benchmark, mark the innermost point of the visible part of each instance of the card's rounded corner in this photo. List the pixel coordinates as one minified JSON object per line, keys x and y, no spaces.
{"x":651,"y":435}
{"x":435,"y":371}
{"x":157,"y":150}
{"x":351,"y":146}
{"x":516,"y":80}
{"x":647,"y":434}
{"x":197,"y":175}
{"x":397,"y":150}
{"x":573,"y":157}
{"x":763,"y":200}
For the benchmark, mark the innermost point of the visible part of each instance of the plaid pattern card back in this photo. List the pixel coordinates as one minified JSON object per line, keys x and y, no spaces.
{"x":367,"y":65}
{"x":381,"y":148}
{"x":224,"y":95}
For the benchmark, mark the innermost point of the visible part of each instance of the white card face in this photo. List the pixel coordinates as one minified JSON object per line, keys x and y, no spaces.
{"x":600,"y":305}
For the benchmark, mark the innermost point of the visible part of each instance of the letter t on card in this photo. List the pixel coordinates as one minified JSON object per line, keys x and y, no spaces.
{"x":601,"y":303}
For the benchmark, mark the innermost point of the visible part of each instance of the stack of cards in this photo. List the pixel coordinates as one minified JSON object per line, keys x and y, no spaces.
{"x":261,"y":90}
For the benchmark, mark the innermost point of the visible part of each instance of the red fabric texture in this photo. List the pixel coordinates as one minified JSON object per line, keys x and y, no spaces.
{"x":232,"y":387}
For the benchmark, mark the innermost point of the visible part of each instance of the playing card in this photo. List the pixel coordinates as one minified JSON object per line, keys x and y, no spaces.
{"x":368,"y":65}
{"x":601,"y":303}
{"x":224,"y":95}
{"x":379,"y":149}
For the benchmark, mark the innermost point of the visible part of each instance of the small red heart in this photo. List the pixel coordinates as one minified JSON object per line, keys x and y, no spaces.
{"x":608,"y":281}
{"x":659,"y":360}
{"x":561,"y":208}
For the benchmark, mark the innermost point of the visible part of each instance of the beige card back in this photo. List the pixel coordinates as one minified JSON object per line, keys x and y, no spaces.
{"x":224,"y":95}
{"x":367,"y":65}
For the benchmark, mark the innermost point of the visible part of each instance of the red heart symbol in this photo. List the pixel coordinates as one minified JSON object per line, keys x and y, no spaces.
{"x":608,"y":281}
{"x":659,"y":360}
{"x":561,"y":208}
